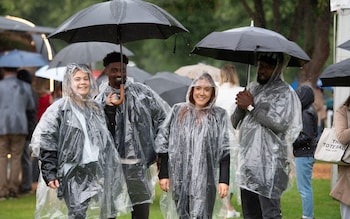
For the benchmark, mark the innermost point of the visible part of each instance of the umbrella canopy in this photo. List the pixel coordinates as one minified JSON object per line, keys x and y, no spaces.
{"x":19,"y":58}
{"x":345,"y":45}
{"x":56,"y":74}
{"x":242,"y":44}
{"x":337,"y":74}
{"x":85,"y":52}
{"x":171,"y":87}
{"x":194,"y":71}
{"x":9,"y":23}
{"x":119,"y":21}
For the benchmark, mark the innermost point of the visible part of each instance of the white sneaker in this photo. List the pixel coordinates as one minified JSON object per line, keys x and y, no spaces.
{"x":233,"y":214}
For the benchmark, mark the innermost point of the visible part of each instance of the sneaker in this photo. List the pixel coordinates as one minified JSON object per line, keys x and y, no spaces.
{"x":233,"y":214}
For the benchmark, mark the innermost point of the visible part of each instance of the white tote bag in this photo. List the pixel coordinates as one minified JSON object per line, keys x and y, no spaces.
{"x":330,"y":150}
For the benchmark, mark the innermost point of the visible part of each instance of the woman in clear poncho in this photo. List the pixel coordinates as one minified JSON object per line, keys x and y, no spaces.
{"x":194,"y":153}
{"x":78,"y":156}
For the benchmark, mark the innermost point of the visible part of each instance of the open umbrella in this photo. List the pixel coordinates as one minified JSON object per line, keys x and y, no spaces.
{"x":85,"y":52}
{"x":19,"y":58}
{"x":119,"y":21}
{"x":242,"y":44}
{"x":171,"y":87}
{"x":56,"y":74}
{"x":337,"y":74}
{"x":194,"y":71}
{"x":11,"y":24}
{"x":345,"y":45}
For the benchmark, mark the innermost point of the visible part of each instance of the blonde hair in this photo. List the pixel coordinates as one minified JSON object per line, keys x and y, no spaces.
{"x":228,"y":73}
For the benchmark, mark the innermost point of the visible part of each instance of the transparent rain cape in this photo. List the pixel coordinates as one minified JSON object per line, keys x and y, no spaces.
{"x":195,"y":140}
{"x":137,"y":120}
{"x":84,"y":159}
{"x":266,"y":136}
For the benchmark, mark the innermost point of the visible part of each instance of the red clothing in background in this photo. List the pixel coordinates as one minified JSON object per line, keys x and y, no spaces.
{"x":43,"y":103}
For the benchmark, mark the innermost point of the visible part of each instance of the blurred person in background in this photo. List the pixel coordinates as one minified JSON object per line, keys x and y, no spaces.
{"x":16,"y":100}
{"x":304,"y":148}
{"x":341,"y":190}
{"x":228,"y":88}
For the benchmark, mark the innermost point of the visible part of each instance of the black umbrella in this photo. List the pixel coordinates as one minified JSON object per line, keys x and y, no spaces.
{"x":119,"y":21}
{"x":170,"y":86}
{"x":345,"y":45}
{"x":85,"y":52}
{"x":242,"y":45}
{"x":337,"y":74}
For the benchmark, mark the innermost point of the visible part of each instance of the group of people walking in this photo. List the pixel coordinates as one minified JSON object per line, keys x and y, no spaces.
{"x":102,"y":149}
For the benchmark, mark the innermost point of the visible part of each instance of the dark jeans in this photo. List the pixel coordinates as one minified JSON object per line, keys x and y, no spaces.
{"x":26,"y":184}
{"x":255,"y":206}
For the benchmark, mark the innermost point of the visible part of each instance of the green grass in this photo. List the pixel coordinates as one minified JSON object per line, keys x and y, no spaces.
{"x":325,"y":206}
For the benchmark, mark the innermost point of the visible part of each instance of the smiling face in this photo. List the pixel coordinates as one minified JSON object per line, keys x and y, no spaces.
{"x":81,"y":83}
{"x":114,"y":73}
{"x":202,"y":93}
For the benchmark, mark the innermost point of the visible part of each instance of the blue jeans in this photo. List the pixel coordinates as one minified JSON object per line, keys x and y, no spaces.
{"x":303,"y":168}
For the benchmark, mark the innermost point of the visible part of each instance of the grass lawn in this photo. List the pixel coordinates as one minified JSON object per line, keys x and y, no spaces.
{"x":325,"y":206}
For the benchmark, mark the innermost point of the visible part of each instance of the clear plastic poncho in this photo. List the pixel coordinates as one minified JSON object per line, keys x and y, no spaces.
{"x":74,"y":146}
{"x":137,"y":121}
{"x":267,"y":134}
{"x":196,"y":139}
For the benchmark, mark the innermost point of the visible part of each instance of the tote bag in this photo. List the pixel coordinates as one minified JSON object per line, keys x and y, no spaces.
{"x":330,"y":150}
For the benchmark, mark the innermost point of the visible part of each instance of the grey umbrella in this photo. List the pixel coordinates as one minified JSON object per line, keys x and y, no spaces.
{"x":10,"y":24}
{"x":119,"y":21}
{"x":242,"y":45}
{"x":345,"y":45}
{"x":85,"y":52}
{"x":170,"y":86}
{"x":337,"y":74}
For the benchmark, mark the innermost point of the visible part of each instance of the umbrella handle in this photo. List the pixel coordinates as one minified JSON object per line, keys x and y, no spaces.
{"x":121,"y":99}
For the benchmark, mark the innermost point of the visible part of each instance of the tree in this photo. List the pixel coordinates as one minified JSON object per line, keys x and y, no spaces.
{"x":308,"y":24}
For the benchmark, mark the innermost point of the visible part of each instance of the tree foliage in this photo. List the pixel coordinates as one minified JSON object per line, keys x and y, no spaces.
{"x":305,"y":22}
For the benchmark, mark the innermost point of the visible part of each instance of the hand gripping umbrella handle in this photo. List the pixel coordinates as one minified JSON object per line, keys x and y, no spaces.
{"x":121,"y":98}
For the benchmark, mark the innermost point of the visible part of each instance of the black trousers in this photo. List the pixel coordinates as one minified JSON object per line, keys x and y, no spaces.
{"x":255,"y":206}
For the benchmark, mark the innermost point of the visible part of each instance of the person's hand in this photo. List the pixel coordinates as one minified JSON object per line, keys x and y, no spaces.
{"x":223,"y":190}
{"x":164,"y":184}
{"x":54,"y":184}
{"x":111,"y":96}
{"x":244,"y":99}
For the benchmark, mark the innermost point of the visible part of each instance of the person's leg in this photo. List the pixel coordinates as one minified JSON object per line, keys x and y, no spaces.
{"x":4,"y":150}
{"x":26,"y":184}
{"x":344,"y":211}
{"x":271,"y":208}
{"x":250,"y":205}
{"x":303,"y":167}
{"x":140,"y":211}
{"x":16,"y":148}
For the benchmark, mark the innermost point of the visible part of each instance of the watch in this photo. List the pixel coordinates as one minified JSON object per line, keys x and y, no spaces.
{"x":250,"y":108}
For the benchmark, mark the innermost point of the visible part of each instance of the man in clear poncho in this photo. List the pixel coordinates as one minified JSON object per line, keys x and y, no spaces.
{"x":194,"y":151}
{"x":269,"y":115}
{"x":134,"y":124}
{"x":78,"y":157}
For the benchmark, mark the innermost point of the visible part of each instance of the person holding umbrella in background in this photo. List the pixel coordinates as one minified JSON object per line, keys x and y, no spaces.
{"x":268,"y":114}
{"x":134,"y":124}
